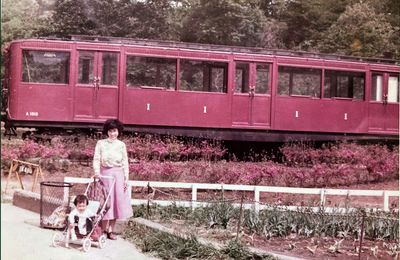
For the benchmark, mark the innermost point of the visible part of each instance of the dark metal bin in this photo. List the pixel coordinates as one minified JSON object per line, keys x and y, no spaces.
{"x":54,"y":204}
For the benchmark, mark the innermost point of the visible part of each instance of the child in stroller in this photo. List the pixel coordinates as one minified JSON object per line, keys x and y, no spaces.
{"x":84,"y":220}
{"x":80,"y":220}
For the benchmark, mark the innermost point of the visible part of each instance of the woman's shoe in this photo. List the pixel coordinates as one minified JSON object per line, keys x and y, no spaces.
{"x":111,"y":236}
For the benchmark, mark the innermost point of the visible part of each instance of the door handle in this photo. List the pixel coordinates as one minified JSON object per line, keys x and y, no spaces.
{"x":96,"y":82}
{"x":385,"y":99}
{"x":251,"y":92}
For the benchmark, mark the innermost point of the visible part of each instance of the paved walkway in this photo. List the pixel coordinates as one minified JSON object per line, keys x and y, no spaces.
{"x":23,"y":239}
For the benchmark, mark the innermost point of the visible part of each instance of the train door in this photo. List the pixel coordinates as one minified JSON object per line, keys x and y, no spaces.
{"x":96,"y":89}
{"x":252,"y":98}
{"x":384,"y":103}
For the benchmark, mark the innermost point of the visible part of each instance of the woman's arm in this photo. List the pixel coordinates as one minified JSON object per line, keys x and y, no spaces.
{"x":96,"y":159}
{"x":125,"y":162}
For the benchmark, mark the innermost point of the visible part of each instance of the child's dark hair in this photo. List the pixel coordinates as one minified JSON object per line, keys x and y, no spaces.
{"x":112,"y":124}
{"x":81,"y":199}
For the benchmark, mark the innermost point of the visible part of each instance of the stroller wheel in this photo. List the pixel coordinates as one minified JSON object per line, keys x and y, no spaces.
{"x":58,"y":237}
{"x":102,"y":241}
{"x":86,"y":243}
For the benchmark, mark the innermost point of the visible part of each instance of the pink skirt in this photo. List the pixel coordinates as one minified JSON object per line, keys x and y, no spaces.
{"x":120,"y":205}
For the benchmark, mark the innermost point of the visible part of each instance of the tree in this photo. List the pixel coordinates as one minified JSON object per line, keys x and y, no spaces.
{"x":154,"y":19}
{"x":72,"y":17}
{"x":231,"y":22}
{"x":20,"y":19}
{"x":306,"y":20}
{"x":360,"y":31}
{"x":272,"y":35}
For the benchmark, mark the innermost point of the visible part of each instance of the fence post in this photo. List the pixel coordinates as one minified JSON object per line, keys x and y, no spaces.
{"x":361,"y":235}
{"x":385,"y":201}
{"x":322,"y":203}
{"x":66,"y":195}
{"x":240,"y":218}
{"x":148,"y":199}
{"x":130,"y":188}
{"x":256,"y":199}
{"x":194,"y":196}
{"x":222,"y":190}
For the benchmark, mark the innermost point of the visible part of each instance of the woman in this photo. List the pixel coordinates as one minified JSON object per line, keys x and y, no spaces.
{"x":111,"y":159}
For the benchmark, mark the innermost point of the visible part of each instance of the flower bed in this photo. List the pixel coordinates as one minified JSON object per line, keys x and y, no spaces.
{"x":169,"y":159}
{"x":298,"y":233}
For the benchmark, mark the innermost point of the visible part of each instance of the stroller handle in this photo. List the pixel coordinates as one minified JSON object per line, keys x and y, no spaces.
{"x":94,"y":177}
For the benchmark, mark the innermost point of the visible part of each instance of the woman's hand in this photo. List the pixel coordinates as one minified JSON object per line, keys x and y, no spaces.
{"x":96,"y":176}
{"x":125,"y":183}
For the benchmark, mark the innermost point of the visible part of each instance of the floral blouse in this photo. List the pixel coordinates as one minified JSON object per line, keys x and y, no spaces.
{"x":110,"y":153}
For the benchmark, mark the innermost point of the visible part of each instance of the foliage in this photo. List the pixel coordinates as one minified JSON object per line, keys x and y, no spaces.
{"x":306,"y":20}
{"x":169,"y":159}
{"x":361,"y":31}
{"x":230,"y":22}
{"x":21,"y":19}
{"x":168,"y":246}
{"x":174,"y":212}
{"x":277,"y":222}
{"x":154,"y":20}
{"x":237,"y":250}
{"x":71,"y":17}
{"x":348,"y":162}
{"x":281,"y":222}
{"x":272,"y":34}
{"x":370,"y":28}
{"x":150,"y":147}
{"x":125,"y":18}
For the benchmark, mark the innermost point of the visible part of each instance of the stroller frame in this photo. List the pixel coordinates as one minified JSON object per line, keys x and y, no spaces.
{"x":86,"y":240}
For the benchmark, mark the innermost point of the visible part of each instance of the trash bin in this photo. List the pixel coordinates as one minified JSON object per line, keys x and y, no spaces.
{"x":54,"y":204}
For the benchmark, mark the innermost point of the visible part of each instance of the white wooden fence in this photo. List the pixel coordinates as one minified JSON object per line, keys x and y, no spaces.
{"x":321,"y":192}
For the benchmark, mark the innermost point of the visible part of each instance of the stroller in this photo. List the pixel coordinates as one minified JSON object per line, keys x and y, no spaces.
{"x":98,"y":196}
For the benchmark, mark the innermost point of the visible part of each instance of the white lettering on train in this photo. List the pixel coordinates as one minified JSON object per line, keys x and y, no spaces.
{"x":32,"y":113}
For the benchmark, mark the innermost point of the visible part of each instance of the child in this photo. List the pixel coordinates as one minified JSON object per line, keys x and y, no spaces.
{"x":79,"y":217}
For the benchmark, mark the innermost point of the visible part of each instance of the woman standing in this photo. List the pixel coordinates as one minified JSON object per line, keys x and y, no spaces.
{"x":111,"y":159}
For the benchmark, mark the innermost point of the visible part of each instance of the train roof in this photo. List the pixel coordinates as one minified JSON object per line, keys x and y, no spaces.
{"x":223,"y":48}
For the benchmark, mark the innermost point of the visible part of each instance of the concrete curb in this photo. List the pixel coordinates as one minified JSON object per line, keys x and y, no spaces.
{"x":27,"y":200}
{"x":205,"y":242}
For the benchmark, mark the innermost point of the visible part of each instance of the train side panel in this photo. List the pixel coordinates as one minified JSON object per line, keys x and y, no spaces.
{"x":37,"y":94}
{"x":59,"y":82}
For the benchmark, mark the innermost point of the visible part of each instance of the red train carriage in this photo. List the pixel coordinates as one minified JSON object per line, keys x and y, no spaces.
{"x":201,"y":90}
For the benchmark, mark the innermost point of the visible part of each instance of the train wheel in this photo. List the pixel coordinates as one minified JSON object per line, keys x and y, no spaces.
{"x":102,"y":241}
{"x":58,"y":238}
{"x":86,"y":244}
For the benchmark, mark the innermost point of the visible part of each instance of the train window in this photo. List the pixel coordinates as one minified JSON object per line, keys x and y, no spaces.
{"x":85,"y":67}
{"x":45,"y":66}
{"x":393,"y":89}
{"x":344,"y":84}
{"x":377,"y":87}
{"x":262,"y":78}
{"x":242,"y":78}
{"x":151,"y":72}
{"x":299,"y":81}
{"x":206,"y":76}
{"x":109,"y":69}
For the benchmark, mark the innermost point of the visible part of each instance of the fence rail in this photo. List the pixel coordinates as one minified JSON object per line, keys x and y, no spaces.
{"x":256,"y":204}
